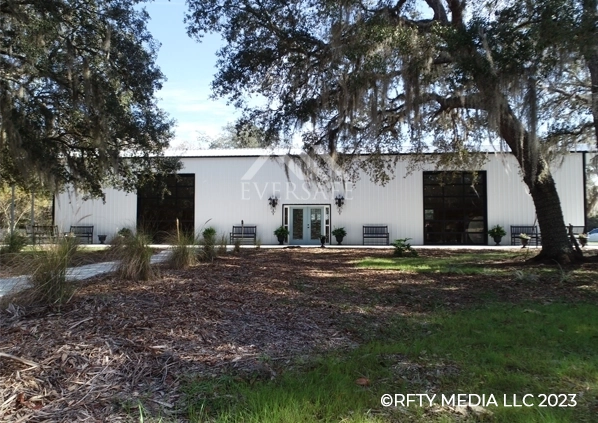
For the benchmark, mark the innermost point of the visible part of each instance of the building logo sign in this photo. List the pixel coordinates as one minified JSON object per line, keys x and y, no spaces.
{"x":306,"y":180}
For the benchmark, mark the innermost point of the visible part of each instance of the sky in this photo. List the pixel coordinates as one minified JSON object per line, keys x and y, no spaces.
{"x":189,"y":67}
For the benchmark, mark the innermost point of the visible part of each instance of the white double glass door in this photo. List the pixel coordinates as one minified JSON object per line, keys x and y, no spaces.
{"x":306,"y":225}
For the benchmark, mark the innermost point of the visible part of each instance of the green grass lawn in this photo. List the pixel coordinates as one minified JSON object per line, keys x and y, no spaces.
{"x":501,"y":350}
{"x":467,"y":263}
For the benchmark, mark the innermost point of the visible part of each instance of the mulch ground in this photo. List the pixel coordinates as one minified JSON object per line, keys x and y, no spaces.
{"x":118,"y":342}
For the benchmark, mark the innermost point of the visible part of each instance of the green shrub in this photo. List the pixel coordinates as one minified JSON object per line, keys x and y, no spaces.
{"x":403,"y":248}
{"x":48,"y":280}
{"x":209,"y":234}
{"x":135,"y":256}
{"x":281,"y":231}
{"x":13,"y":243}
{"x":182,"y":254}
{"x":497,"y":232}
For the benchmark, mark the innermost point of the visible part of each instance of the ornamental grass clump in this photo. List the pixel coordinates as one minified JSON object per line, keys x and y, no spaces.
{"x":135,"y":257}
{"x":118,"y":240}
{"x":183,"y":253}
{"x":208,"y":252}
{"x":48,"y":279}
{"x":221,"y":250}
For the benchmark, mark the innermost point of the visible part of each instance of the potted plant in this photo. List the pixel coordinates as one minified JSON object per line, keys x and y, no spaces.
{"x":524,"y":240}
{"x":583,"y":239}
{"x":339,"y":234}
{"x":497,"y":232}
{"x":323,"y":240}
{"x":281,"y":233}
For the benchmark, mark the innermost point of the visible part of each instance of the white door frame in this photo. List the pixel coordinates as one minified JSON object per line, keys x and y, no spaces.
{"x":307,"y":214}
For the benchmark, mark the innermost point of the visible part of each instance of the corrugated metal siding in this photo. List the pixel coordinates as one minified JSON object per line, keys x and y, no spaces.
{"x":231,"y":189}
{"x":119,"y":211}
{"x":398,"y":204}
{"x":509,"y":201}
{"x":569,"y":184}
{"x":226,"y":194}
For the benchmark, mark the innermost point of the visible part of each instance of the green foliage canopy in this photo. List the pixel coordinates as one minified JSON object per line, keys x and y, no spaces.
{"x":77,"y":95}
{"x":238,"y":136}
{"x":379,"y":76}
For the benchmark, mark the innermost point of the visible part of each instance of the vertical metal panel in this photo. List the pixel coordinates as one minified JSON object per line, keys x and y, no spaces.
{"x":570,"y":186}
{"x":119,"y":211}
{"x":509,"y":201}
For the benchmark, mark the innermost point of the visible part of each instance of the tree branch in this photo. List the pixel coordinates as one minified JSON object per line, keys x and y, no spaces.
{"x":472,"y":101}
{"x":439,"y":12}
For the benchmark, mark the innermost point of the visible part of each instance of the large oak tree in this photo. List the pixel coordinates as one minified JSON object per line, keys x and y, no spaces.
{"x":77,"y":95}
{"x":366,"y":76}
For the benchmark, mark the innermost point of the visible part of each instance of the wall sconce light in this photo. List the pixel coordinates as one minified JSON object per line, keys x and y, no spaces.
{"x":273,"y":202}
{"x":339,"y":200}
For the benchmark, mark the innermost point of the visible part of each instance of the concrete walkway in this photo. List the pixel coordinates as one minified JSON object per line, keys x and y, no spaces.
{"x":17,"y":283}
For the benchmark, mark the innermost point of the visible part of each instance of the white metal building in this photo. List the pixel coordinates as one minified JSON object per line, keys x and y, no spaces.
{"x":224,"y":188}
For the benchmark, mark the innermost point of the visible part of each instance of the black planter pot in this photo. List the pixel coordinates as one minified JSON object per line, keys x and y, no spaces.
{"x":583,"y":241}
{"x":322,"y":241}
{"x":524,"y":242}
{"x":280,"y":239}
{"x":339,"y":239}
{"x":497,"y":239}
{"x":102,"y":238}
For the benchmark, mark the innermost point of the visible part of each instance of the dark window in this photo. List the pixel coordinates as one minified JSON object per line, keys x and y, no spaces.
{"x":159,"y":209}
{"x":455,"y":208}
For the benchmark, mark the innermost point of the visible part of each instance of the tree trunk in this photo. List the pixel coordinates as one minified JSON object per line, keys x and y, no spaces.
{"x":525,"y":147}
{"x":589,"y":48}
{"x":592,"y":61}
{"x":541,"y":185}
{"x":555,"y":241}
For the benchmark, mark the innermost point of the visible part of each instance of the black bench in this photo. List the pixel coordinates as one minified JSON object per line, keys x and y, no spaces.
{"x":376,"y":232}
{"x":577,"y":230}
{"x":243,"y":233}
{"x":531,"y":231}
{"x":42,"y":233}
{"x":83,"y":233}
